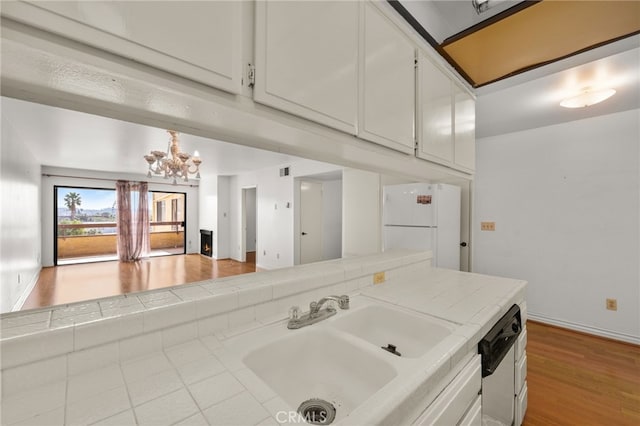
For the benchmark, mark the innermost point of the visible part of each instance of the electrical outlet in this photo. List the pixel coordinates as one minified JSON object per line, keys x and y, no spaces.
{"x":612,"y":304}
{"x":378,"y":278}
{"x":487,"y":226}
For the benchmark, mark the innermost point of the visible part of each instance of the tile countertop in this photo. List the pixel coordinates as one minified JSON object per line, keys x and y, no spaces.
{"x":204,"y":381}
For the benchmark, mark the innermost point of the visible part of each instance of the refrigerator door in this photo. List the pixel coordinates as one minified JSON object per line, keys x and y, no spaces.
{"x":407,"y":237}
{"x":409,"y":205}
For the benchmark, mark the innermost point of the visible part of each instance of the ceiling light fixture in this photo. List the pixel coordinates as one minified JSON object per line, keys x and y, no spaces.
{"x":179,"y":166}
{"x":587,"y":98}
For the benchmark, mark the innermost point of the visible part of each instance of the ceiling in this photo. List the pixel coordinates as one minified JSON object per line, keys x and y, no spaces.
{"x":514,"y":36}
{"x":64,"y":138}
{"x":531,"y":98}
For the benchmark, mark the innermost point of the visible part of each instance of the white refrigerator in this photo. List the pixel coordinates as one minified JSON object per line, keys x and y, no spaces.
{"x":422,"y":216}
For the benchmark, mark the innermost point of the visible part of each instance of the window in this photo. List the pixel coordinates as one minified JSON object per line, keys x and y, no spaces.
{"x":86,"y":228}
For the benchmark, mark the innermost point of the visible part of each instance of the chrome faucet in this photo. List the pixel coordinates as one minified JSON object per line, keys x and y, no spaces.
{"x":316,"y":313}
{"x":343,"y":303}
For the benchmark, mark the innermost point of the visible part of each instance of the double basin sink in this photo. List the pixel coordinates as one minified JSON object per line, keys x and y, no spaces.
{"x":345,"y":359}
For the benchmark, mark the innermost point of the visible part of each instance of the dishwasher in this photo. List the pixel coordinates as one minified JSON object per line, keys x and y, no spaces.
{"x":498,"y":369}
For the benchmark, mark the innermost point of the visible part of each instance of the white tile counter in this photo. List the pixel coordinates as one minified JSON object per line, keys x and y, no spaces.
{"x":192,"y":374}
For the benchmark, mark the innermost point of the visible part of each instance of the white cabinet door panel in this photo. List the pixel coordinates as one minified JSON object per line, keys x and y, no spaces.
{"x":198,"y":40}
{"x":435,"y":136}
{"x":451,"y":405}
{"x":307,"y":59}
{"x":388,"y":87}
{"x":465,"y":129}
{"x":474,"y":415}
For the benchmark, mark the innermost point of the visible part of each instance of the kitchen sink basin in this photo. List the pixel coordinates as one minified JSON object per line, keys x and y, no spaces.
{"x":320,"y":364}
{"x":412,"y":335}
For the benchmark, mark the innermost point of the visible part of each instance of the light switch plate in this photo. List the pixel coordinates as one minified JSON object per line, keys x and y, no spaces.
{"x":378,"y":278}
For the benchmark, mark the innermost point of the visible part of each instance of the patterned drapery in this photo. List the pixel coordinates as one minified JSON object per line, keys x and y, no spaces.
{"x":133,"y":220}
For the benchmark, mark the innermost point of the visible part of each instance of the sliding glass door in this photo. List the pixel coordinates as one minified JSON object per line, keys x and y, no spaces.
{"x":167,"y":216}
{"x":86,"y":230}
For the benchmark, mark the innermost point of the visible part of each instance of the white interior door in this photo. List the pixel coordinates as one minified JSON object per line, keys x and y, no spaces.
{"x":310,"y":222}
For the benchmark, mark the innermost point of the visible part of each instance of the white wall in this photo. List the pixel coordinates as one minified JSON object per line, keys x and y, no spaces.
{"x":208,"y":209}
{"x":565,"y":200}
{"x":88,"y":179}
{"x":361,"y":213}
{"x":274,"y":218}
{"x":20,"y":247}
{"x":221,"y":237}
{"x":332,"y":219}
{"x":274,"y":210}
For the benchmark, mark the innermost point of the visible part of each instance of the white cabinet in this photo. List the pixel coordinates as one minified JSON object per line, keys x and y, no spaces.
{"x":446,"y":119}
{"x":387,"y":103}
{"x":201,"y":41}
{"x":464,"y":129}
{"x":458,"y":398}
{"x":520,"y":375}
{"x":474,"y":415}
{"x":435,"y":129}
{"x":307,"y":59}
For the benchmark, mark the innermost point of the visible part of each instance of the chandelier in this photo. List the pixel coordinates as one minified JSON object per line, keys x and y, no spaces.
{"x":179,"y":166}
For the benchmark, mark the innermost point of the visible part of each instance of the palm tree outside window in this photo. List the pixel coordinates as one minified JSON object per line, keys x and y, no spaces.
{"x":72,"y":200}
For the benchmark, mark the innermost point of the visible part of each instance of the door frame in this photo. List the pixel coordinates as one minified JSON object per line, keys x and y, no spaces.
{"x":297,"y":215}
{"x":243,"y":224}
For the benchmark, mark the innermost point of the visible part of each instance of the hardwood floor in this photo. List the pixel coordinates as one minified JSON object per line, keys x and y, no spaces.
{"x":74,"y":283}
{"x":579,"y":379}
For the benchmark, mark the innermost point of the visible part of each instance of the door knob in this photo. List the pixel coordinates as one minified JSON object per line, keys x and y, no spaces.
{"x":304,"y":233}
{"x":463,"y":244}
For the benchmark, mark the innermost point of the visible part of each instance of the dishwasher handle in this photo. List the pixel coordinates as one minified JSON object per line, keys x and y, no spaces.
{"x":497,"y":342}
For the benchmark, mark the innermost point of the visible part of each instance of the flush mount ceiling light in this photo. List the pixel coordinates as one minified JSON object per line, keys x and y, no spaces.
{"x":587,"y":98}
{"x":179,"y":166}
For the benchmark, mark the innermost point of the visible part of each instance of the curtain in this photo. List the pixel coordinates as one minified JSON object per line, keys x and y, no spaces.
{"x":133,"y":220}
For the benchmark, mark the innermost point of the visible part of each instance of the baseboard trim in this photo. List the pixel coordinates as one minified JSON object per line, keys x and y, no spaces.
{"x":27,"y":291}
{"x":628,"y":338}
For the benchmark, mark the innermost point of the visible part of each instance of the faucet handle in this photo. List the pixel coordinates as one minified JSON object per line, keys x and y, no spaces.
{"x":344,"y":302}
{"x":294,"y":313}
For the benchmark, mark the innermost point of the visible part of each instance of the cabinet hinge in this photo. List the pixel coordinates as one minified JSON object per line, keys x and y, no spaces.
{"x":251,"y":75}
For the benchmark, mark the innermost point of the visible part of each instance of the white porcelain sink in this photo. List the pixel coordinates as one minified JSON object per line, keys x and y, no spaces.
{"x":412,"y":334}
{"x":320,"y":364}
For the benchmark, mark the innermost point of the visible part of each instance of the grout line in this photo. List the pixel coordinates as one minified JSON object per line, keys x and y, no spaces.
{"x":126,"y":388}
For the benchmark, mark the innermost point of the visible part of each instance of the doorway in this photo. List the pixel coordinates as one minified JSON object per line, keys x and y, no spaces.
{"x":310,"y":222}
{"x":249,"y":224}
{"x":167,"y":212}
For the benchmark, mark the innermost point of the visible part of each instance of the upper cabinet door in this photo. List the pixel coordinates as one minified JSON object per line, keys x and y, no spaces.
{"x":387,"y":104}
{"x":307,"y":59}
{"x":198,"y":40}
{"x":435,"y":113}
{"x":464,"y":129}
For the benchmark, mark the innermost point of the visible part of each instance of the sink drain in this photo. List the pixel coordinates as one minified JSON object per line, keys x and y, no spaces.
{"x":317,"y":411}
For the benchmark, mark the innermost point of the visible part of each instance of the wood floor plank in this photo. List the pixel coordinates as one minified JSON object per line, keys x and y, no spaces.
{"x":75,"y":283}
{"x":580,"y":379}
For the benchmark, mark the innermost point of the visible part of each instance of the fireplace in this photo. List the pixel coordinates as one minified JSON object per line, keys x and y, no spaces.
{"x":206,"y":242}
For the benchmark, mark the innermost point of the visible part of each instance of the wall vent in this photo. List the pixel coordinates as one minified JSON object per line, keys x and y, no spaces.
{"x":284,"y":171}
